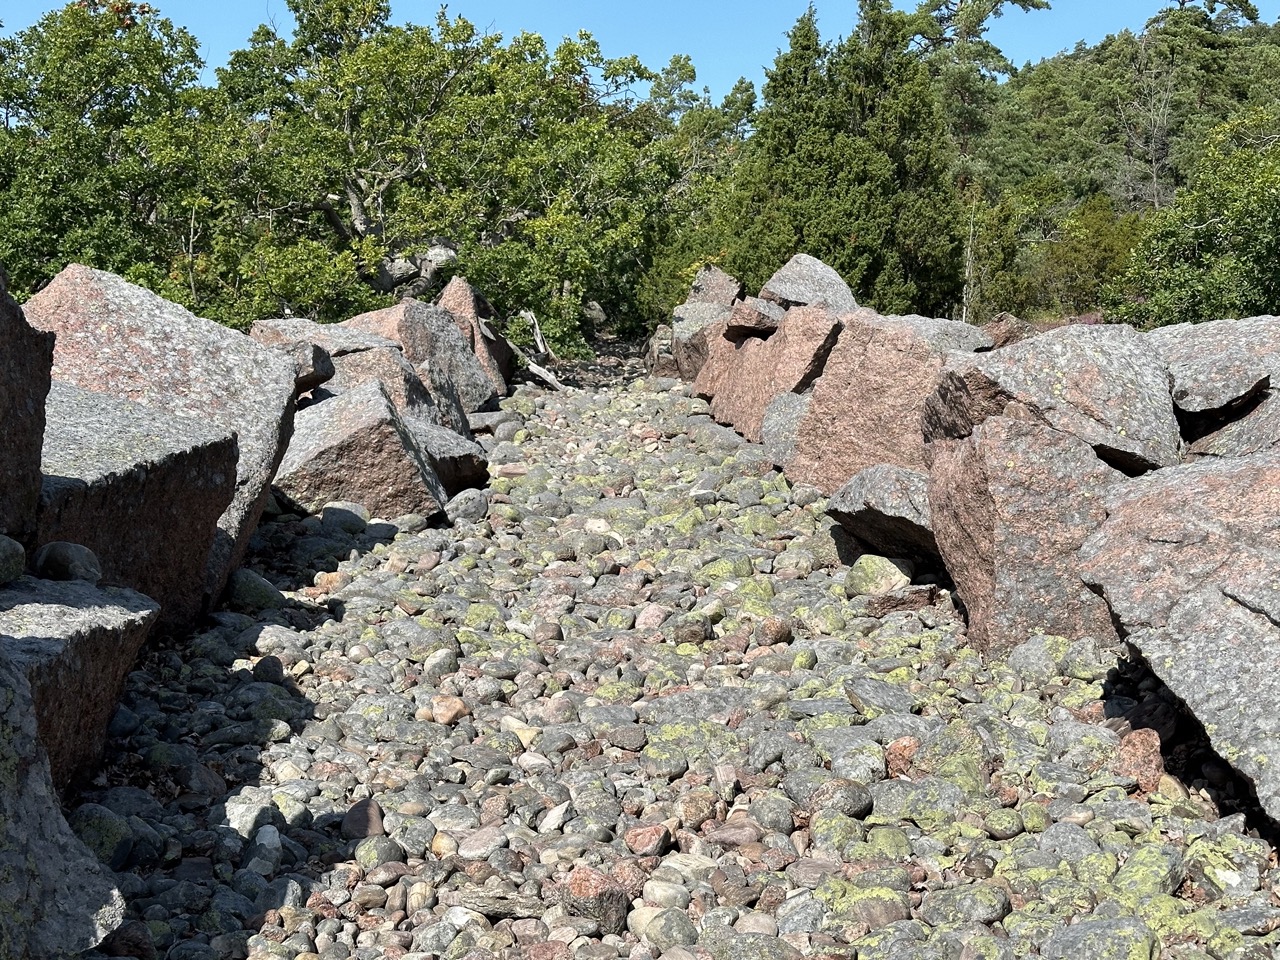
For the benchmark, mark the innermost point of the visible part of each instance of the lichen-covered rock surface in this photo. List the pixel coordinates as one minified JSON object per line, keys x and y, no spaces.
{"x":632,"y":704}
{"x":1186,"y":560}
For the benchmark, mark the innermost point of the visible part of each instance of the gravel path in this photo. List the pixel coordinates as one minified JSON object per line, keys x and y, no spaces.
{"x":633,"y":704}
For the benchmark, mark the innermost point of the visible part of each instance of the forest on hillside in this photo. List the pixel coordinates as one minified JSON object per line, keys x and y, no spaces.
{"x":353,"y":161}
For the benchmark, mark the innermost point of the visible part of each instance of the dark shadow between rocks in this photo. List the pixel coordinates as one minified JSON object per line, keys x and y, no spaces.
{"x":1200,"y":424}
{"x":1136,"y":698}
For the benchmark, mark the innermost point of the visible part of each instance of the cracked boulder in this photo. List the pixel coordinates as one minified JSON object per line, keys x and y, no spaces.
{"x":356,"y":447}
{"x":1186,"y":562}
{"x":1226,"y":383}
{"x":475,"y":318}
{"x":866,"y":405}
{"x":124,"y":341}
{"x":788,"y":362}
{"x":1104,"y":384}
{"x":1011,"y":505}
{"x":887,"y":509}
{"x":430,"y":339}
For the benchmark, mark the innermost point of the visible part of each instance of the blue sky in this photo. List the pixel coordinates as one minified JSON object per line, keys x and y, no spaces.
{"x":726,"y":38}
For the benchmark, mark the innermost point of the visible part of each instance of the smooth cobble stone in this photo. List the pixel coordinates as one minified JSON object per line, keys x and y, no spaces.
{"x":630,"y":703}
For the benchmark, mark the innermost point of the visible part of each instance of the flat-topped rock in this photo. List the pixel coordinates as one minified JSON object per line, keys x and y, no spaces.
{"x":25,"y":363}
{"x":1186,"y":561}
{"x":124,"y":341}
{"x":60,"y":901}
{"x":335,"y":339}
{"x":431,"y":341}
{"x":356,"y":447}
{"x":143,"y":490}
{"x":887,"y":509}
{"x":71,"y":636}
{"x":1106,"y":385}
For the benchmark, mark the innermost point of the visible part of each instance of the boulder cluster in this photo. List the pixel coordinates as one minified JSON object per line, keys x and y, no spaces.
{"x":141,"y":446}
{"x":1088,"y":481}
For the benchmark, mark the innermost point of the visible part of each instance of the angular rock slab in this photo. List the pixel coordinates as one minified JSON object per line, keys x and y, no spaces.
{"x":333,"y":338}
{"x":25,"y":361}
{"x":475,"y":316}
{"x":805,"y":280}
{"x":60,"y":901}
{"x":355,"y":447}
{"x":713,"y":285}
{"x":119,"y":339}
{"x":867,"y":404}
{"x":1226,"y":382}
{"x":142,"y":490}
{"x":1187,"y":562}
{"x":1011,"y":505}
{"x":755,"y":317}
{"x":691,"y":330}
{"x":431,"y":342}
{"x":1104,"y":384}
{"x":788,"y":362}
{"x":460,"y":463}
{"x":75,"y":644}
{"x":887,"y":509}
{"x":781,"y":425}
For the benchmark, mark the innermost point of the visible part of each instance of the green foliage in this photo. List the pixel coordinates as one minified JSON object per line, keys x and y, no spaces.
{"x":1215,"y":252}
{"x":849,"y":162}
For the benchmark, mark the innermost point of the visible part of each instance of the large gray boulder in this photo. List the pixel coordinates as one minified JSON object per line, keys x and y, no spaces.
{"x":59,"y":900}
{"x":886,"y":508}
{"x":124,"y":341}
{"x":429,"y":337}
{"x":1226,"y":383}
{"x":1011,"y":504}
{"x":75,"y":644}
{"x":458,"y":461}
{"x":805,"y":280}
{"x":356,"y":447}
{"x":143,"y":490}
{"x":1186,"y":561}
{"x":335,"y":339}
{"x":867,"y":404}
{"x":25,"y":362}
{"x":1106,"y":385}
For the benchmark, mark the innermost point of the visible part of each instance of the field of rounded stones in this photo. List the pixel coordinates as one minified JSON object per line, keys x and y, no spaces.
{"x":643,"y":699}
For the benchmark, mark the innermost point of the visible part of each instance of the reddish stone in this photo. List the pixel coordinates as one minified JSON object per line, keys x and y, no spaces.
{"x":124,"y":341}
{"x":866,"y":406}
{"x":898,"y":755}
{"x":1139,"y":756}
{"x":1011,"y":505}
{"x":649,"y":840}
{"x":475,"y":316}
{"x":355,"y":447}
{"x":590,"y":893}
{"x":785,"y":363}
{"x":431,"y":342}
{"x":720,"y":361}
